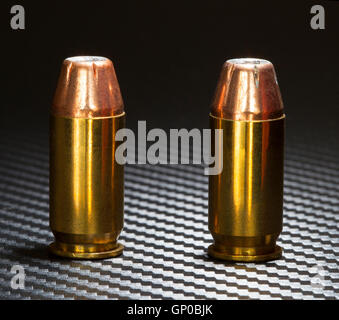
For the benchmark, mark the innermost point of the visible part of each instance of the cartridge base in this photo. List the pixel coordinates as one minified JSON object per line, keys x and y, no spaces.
{"x":74,"y":251}
{"x":242,"y":256}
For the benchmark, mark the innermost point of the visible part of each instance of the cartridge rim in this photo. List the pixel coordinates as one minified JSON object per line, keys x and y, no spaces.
{"x":212,"y":252}
{"x":233,"y":120}
{"x":56,"y":250}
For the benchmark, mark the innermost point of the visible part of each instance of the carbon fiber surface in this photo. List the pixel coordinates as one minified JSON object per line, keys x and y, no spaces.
{"x":166,"y":234}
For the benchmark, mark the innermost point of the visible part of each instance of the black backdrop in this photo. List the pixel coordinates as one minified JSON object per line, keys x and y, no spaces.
{"x":168,"y":56}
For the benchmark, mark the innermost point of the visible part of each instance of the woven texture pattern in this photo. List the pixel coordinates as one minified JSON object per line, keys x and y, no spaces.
{"x":166,"y":234}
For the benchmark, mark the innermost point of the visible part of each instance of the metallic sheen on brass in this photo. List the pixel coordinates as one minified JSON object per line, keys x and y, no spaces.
{"x":86,"y":183}
{"x":246,"y":198}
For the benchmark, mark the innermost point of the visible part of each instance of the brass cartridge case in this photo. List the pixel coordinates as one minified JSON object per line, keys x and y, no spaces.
{"x":86,"y":183}
{"x":246,"y":198}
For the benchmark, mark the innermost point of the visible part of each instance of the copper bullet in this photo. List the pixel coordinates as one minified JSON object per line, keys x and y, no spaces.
{"x":246,"y":198}
{"x":86,"y":183}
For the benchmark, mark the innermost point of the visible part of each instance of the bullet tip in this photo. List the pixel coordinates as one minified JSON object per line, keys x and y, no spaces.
{"x":87,"y":88}
{"x":247,"y":90}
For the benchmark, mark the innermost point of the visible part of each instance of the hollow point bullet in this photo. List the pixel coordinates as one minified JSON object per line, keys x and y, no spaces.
{"x":86,"y":183}
{"x":246,"y":198}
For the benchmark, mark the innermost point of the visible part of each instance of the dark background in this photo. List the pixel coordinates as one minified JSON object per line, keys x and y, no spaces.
{"x":168,"y":57}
